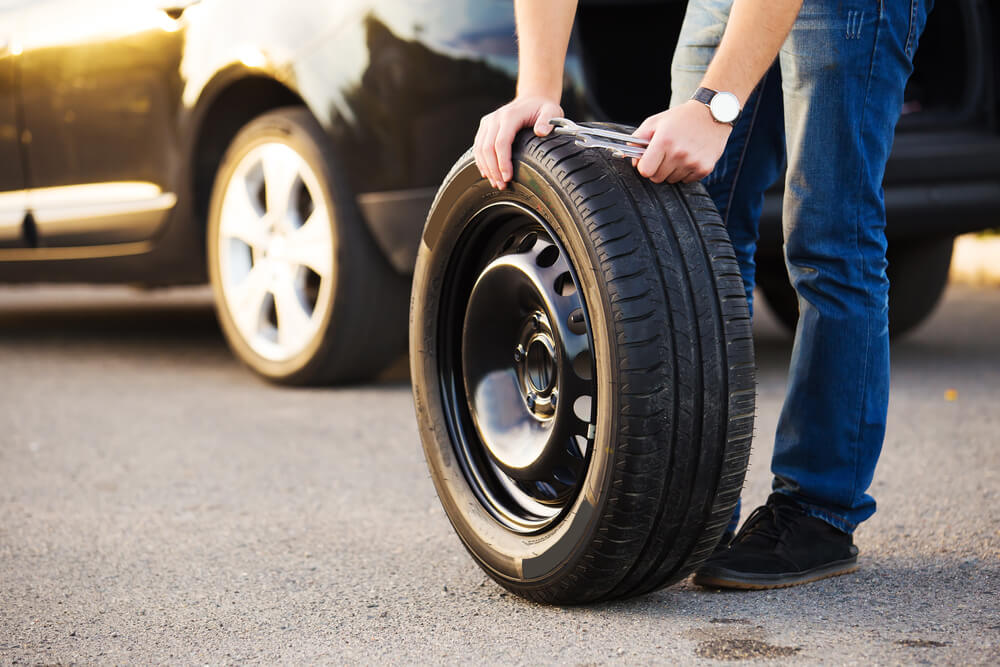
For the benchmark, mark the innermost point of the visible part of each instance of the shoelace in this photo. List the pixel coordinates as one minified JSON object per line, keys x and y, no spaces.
{"x":757,"y":524}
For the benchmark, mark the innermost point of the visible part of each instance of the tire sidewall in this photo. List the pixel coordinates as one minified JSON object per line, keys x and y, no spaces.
{"x":274,"y":127}
{"x":529,"y":561}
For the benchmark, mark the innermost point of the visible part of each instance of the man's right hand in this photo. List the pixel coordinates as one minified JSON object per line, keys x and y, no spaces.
{"x":498,"y":129}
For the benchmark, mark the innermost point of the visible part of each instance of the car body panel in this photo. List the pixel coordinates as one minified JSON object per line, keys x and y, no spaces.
{"x":99,"y":85}
{"x":13,"y":197}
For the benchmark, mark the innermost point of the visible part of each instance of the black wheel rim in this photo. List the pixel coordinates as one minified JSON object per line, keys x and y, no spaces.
{"x":517,"y":364}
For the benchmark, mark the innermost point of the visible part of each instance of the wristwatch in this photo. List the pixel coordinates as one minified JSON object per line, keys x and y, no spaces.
{"x":724,"y":106}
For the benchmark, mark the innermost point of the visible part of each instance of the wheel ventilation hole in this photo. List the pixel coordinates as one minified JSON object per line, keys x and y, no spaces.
{"x":527,"y":243}
{"x":583,"y":365}
{"x":547,"y":257}
{"x":564,"y":284}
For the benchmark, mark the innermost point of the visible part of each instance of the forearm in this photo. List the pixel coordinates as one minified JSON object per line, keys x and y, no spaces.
{"x":754,"y":35}
{"x":543,"y":30}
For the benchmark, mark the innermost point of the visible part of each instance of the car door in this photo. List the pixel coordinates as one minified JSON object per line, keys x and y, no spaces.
{"x":13,"y":200}
{"x":101,"y":89}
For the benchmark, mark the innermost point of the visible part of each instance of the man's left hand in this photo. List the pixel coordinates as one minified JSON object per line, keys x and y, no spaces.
{"x":684,"y":144}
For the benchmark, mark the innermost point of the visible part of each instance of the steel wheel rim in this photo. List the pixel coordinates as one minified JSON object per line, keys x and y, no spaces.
{"x":517,"y":366}
{"x":276,"y":251}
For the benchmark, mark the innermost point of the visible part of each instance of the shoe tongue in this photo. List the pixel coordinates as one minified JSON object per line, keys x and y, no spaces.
{"x":765,"y":532}
{"x":759,"y":530}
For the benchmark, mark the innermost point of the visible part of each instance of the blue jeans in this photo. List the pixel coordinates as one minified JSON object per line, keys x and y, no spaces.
{"x":828,"y":106}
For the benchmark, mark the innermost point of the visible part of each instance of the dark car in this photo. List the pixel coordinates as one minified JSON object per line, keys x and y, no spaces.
{"x":288,"y":152}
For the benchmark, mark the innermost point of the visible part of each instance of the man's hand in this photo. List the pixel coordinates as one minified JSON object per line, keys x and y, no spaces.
{"x":497,"y":131}
{"x":684,"y":144}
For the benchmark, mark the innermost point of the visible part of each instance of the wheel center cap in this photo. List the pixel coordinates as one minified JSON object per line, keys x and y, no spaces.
{"x":537,"y":366}
{"x":276,"y":247}
{"x":540,"y":364}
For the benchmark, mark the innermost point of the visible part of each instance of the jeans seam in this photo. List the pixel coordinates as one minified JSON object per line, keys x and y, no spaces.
{"x":910,"y":36}
{"x":834,"y":520}
{"x":746,"y":146}
{"x":863,"y":379}
{"x":816,"y":511}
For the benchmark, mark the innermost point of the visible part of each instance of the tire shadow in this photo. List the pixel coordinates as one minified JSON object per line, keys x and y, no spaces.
{"x":177,"y":325}
{"x":67,"y":314}
{"x":133,"y":323}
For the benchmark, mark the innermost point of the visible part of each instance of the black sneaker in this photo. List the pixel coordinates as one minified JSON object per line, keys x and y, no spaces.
{"x":779,"y":546}
{"x":724,"y":542}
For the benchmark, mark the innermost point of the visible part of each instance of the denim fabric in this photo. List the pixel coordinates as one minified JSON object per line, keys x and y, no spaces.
{"x":829,"y":106}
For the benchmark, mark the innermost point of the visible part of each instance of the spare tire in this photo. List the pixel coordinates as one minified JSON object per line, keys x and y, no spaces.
{"x":583,"y":372}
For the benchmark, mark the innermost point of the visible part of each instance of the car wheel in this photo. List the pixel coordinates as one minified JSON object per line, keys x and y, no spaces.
{"x":302,"y":293}
{"x":583,"y":372}
{"x":918,"y":274}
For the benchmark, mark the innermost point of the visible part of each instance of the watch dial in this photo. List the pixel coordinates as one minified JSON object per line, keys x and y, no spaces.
{"x":725,"y":107}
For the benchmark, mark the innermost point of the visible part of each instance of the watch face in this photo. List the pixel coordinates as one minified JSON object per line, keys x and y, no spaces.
{"x":725,"y":107}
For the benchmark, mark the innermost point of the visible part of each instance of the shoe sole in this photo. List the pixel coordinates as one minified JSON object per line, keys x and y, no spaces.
{"x":749,"y":581}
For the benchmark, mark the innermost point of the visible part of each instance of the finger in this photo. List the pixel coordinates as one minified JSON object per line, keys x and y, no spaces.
{"x":502,"y":145}
{"x":694,"y":176}
{"x":477,"y":148}
{"x":675,"y":167}
{"x":484,"y":149}
{"x":646,"y":129}
{"x":676,"y":174}
{"x":548,"y":111}
{"x":651,"y":161}
{"x":489,"y":154}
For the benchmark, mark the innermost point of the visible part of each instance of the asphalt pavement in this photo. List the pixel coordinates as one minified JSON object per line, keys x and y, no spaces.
{"x":159,"y":504}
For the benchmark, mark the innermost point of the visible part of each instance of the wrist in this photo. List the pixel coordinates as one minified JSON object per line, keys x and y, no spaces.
{"x":550,"y":92}
{"x":705,"y":118}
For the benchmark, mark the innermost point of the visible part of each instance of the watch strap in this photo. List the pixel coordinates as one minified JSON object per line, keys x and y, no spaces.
{"x":704,"y":95}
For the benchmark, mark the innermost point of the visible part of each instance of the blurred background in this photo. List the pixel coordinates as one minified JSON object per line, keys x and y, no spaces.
{"x":287,"y":154}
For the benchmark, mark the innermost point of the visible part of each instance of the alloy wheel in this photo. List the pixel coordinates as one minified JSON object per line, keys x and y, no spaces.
{"x":276,"y":251}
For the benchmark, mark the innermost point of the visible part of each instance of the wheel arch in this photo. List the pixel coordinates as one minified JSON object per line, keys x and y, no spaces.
{"x":230,"y":105}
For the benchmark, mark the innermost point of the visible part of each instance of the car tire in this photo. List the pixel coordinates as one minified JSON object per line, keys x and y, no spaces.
{"x":918,"y":274}
{"x":584,"y":282}
{"x":302,"y":293}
